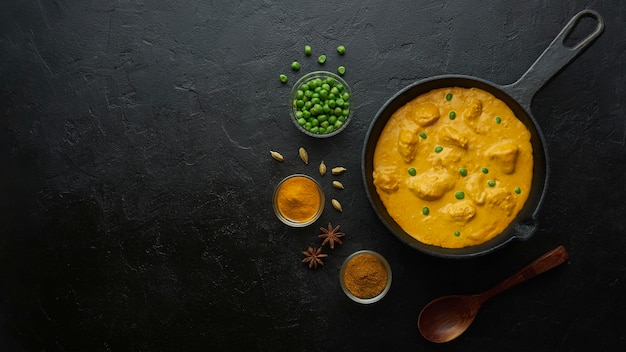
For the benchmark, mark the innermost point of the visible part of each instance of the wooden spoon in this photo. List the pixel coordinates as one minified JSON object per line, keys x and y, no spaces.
{"x":445,"y":318}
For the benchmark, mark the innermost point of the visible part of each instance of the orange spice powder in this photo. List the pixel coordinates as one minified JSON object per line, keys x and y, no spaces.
{"x":365,"y":276}
{"x":298,"y":199}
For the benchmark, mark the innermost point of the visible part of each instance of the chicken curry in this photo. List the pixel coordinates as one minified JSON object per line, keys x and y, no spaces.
{"x":453,"y":167}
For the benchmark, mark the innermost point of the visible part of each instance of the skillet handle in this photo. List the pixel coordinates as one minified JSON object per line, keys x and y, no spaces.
{"x":553,"y":59}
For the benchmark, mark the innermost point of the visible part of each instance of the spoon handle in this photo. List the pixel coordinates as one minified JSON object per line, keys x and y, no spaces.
{"x":542,"y":264}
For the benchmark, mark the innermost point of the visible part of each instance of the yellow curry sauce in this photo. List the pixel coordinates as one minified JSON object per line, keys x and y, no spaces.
{"x":453,"y":167}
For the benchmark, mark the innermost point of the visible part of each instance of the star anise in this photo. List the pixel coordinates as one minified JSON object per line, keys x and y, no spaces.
{"x":331,"y":235}
{"x":314,"y":257}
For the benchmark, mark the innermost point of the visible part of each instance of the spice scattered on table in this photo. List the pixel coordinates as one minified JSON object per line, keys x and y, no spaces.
{"x":304,"y":155}
{"x":336,"y":205}
{"x":322,"y":168}
{"x":314,"y":257}
{"x":276,"y":155}
{"x":365,"y":276}
{"x":338,"y":170}
{"x":338,"y":185}
{"x":331,"y":235}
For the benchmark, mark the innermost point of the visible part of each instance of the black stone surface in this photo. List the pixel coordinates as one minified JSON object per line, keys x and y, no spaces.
{"x":136,"y":182}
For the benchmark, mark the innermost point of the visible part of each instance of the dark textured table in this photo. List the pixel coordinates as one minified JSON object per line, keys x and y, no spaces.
{"x":136,"y":180}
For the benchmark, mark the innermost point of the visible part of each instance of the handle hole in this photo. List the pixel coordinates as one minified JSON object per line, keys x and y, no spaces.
{"x":582,"y":29}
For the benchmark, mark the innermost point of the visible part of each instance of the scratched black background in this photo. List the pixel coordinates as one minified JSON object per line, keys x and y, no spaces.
{"x":135,"y":177}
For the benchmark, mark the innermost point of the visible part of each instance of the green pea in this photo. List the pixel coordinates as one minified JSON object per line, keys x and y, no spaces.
{"x":321,"y":130}
{"x":425,"y":210}
{"x":338,"y":124}
{"x":321,"y":59}
{"x":324,"y":124}
{"x":518,"y":190}
{"x":459,"y":195}
{"x":302,"y":121}
{"x":457,"y":233}
{"x":307,"y":50}
{"x":484,"y":170}
{"x":463,"y":171}
{"x":330,"y":129}
{"x":449,"y":96}
{"x":338,"y":111}
{"x":498,"y":120}
{"x":438,"y":149}
{"x":423,"y":135}
{"x":341,"y":49}
{"x":283,"y":78}
{"x":345,"y":112}
{"x":341,"y":70}
{"x":295,"y":66}
{"x":314,"y":130}
{"x":412,"y":171}
{"x":334,"y":91}
{"x":332,"y":119}
{"x":452,"y":115}
{"x":491,"y":183}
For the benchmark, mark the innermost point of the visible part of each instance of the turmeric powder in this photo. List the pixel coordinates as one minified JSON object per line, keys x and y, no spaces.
{"x":298,"y":198}
{"x":365,"y":276}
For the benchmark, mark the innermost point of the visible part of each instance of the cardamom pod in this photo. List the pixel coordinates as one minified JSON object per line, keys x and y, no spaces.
{"x":322,"y":168}
{"x":338,"y":170}
{"x":276,"y":155}
{"x":303,"y":155}
{"x":337,"y":185}
{"x":336,"y":204}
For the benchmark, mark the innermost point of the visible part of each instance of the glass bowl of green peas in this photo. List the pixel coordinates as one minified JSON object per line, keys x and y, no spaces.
{"x":321,"y":104}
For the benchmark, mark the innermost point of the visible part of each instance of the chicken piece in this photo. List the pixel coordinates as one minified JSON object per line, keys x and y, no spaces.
{"x":474,"y":110}
{"x":501,"y":198}
{"x":462,"y":211}
{"x":452,"y":136}
{"x":504,"y":155}
{"x":430,"y":185}
{"x":386,"y":181}
{"x":425,"y":114}
{"x":471,"y":116}
{"x":407,"y":143}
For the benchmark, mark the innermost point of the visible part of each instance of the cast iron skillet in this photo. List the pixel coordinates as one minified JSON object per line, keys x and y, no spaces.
{"x":518,"y":97}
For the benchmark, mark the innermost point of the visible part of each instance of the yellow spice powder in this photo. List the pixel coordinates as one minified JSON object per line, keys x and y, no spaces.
{"x":298,"y":199}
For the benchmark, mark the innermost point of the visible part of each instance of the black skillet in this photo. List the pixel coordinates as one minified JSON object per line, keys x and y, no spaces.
{"x":518,"y":96}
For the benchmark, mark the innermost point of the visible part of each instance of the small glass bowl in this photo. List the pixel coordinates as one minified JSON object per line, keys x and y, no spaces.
{"x":295,"y":223}
{"x":307,"y":79}
{"x":350,"y":294}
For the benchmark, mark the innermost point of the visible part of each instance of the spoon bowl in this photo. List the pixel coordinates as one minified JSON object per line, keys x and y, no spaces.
{"x":446,"y":318}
